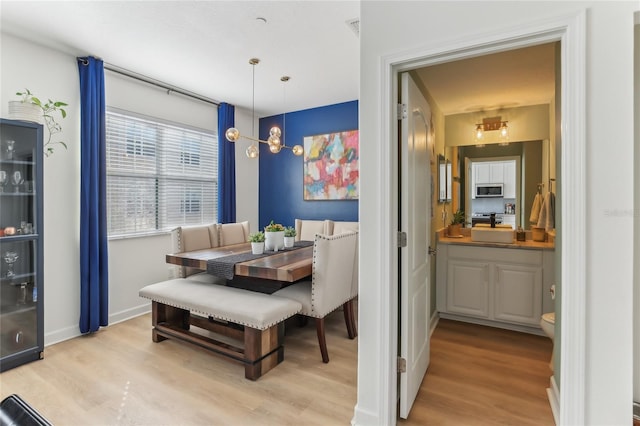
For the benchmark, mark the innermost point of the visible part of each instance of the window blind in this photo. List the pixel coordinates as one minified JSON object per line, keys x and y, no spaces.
{"x":159,"y":175}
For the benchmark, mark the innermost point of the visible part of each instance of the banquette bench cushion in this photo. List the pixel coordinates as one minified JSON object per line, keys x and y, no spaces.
{"x":244,"y":307}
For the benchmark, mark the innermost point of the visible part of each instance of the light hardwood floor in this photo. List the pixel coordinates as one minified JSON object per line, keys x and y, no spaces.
{"x":118,"y":376}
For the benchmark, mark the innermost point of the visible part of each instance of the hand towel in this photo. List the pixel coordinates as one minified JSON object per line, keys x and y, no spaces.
{"x":535,"y":208}
{"x":547,"y":212}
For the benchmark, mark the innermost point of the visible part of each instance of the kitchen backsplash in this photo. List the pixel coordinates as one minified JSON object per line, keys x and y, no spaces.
{"x":491,"y":205}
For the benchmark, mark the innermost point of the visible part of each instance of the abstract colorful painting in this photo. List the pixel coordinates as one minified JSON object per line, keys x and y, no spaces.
{"x":331,"y":166}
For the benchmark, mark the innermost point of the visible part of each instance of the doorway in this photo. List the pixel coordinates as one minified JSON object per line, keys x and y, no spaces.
{"x":571,"y":166}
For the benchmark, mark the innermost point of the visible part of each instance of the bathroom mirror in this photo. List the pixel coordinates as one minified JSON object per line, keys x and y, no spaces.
{"x":444,"y":179}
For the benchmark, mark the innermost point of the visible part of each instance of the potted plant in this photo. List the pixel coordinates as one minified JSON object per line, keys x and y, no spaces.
{"x":274,"y":236}
{"x":289,"y":236}
{"x":31,"y":108}
{"x":257,"y":242}
{"x":456,"y":223}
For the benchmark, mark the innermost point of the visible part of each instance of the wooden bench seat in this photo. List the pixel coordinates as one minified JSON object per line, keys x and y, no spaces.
{"x":255,"y":319}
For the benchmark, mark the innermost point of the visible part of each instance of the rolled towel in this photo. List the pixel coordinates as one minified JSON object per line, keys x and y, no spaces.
{"x":547,"y":212}
{"x":535,"y":209}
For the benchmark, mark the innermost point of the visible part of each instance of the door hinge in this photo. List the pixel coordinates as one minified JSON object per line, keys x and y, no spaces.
{"x":402,"y":365}
{"x":432,"y":251}
{"x":401,"y":113}
{"x":402,"y":239}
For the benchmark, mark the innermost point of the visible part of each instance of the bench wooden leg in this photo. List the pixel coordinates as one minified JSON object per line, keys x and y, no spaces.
{"x":263,"y":350}
{"x":161,"y":313}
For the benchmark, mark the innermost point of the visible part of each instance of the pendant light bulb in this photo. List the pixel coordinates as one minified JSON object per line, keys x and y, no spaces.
{"x":275,"y":148}
{"x":297,"y":150}
{"x":504,"y":130}
{"x":232,"y":134}
{"x":479,"y":133}
{"x":252,"y":151}
{"x":275,"y":131}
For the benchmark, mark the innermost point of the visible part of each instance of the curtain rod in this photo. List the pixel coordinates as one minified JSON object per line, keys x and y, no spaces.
{"x":149,"y":80}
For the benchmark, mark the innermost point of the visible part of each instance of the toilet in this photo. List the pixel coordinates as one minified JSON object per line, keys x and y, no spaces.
{"x":548,"y":324}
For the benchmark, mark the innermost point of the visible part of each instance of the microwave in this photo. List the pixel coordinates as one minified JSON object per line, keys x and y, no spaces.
{"x":489,"y":190}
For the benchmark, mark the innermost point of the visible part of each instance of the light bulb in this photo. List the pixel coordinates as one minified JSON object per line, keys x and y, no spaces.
{"x":252,"y":151}
{"x":275,"y":148}
{"x":504,"y":131}
{"x":275,"y":131}
{"x":232,"y":134}
{"x":274,"y":140}
{"x":479,"y":132}
{"x":297,"y":150}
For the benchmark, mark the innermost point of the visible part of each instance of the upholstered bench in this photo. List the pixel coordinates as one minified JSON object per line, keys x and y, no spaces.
{"x":257,"y":319}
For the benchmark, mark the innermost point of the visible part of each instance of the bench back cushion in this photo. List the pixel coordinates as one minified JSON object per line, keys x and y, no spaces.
{"x":340,"y":227}
{"x":233,"y":233}
{"x":189,"y":238}
{"x":307,"y":229}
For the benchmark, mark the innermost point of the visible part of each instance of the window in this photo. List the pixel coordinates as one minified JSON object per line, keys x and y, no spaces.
{"x":159,"y":175}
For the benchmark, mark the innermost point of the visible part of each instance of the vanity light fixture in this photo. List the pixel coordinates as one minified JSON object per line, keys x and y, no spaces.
{"x":275,"y":145}
{"x":492,"y":124}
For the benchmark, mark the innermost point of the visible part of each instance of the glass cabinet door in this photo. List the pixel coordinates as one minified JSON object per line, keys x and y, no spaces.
{"x":21,"y":319}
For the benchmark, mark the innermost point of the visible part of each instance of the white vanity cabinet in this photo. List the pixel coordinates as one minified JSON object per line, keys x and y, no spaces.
{"x":468,"y":287}
{"x":503,"y":287}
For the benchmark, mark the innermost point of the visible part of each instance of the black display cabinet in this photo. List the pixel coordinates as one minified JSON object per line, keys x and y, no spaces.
{"x":21,"y":248}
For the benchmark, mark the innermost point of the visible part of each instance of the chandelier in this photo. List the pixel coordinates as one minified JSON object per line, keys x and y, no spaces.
{"x":275,"y":143}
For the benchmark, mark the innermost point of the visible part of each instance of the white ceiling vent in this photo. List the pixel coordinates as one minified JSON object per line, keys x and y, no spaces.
{"x":354,"y":24}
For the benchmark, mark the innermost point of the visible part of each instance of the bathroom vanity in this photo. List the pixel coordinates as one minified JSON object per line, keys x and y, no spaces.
{"x":506,"y":285}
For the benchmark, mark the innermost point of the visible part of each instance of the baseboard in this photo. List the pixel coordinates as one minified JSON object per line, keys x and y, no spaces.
{"x":433,"y":322}
{"x":553,"y":393}
{"x":61,"y":335}
{"x":490,"y":323}
{"x":71,"y":332}
{"x":128,"y":314}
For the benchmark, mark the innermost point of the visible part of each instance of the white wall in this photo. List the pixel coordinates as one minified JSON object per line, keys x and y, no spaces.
{"x":56,"y":77}
{"x":413,"y":26}
{"x":50,"y":74}
{"x":636,"y":334}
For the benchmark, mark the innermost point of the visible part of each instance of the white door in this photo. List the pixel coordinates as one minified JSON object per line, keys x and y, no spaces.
{"x":415,"y":217}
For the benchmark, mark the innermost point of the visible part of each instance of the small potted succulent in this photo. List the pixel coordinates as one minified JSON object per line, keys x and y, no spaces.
{"x":456,"y":223}
{"x":257,"y":242}
{"x":274,"y":236}
{"x":289,"y":236}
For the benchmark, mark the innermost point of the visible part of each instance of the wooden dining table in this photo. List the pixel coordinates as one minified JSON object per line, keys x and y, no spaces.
{"x":266,"y":274}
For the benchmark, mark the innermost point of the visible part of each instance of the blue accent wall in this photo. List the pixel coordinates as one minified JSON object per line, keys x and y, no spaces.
{"x":280,"y":187}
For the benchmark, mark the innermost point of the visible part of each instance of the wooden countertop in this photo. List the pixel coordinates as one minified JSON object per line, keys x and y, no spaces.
{"x":528,"y":244}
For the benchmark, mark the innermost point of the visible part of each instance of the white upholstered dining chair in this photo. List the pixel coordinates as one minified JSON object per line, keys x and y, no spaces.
{"x":330,"y":286}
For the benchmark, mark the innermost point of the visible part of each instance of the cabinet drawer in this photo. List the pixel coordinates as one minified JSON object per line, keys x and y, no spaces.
{"x":493,"y":254}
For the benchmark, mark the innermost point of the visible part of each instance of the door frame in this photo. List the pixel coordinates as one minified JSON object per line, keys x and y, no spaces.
{"x":570,"y":30}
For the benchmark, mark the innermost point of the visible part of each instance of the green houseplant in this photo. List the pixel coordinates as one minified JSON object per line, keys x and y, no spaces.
{"x":274,"y":236}
{"x":257,"y":242}
{"x":257,"y":237}
{"x":31,"y":108}
{"x":289,"y":236}
{"x":457,"y":220}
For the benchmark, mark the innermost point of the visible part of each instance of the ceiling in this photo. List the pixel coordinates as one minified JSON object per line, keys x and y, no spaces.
{"x":204,"y":47}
